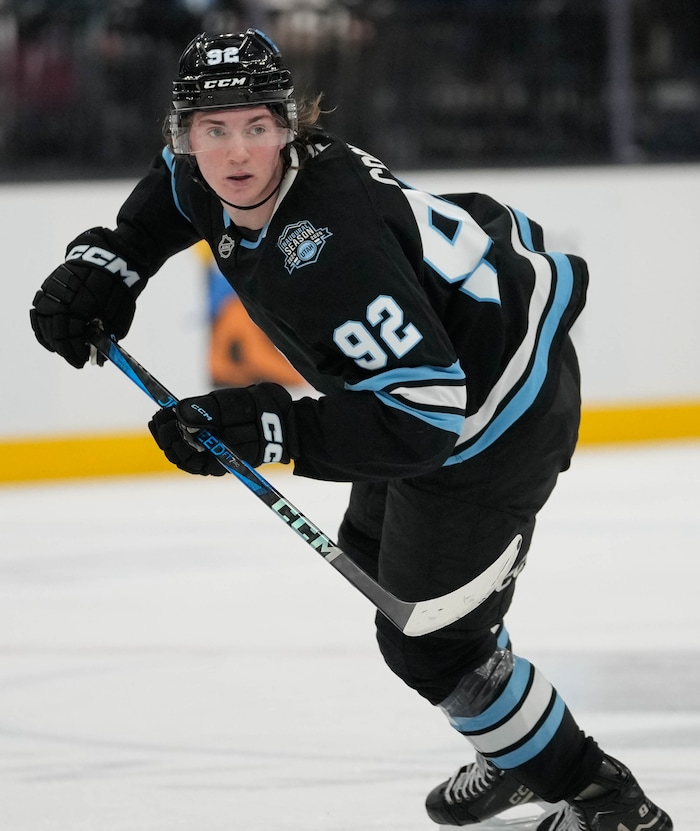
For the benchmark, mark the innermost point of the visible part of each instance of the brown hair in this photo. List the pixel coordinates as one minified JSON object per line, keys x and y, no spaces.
{"x":308,"y":112}
{"x":308,"y":128}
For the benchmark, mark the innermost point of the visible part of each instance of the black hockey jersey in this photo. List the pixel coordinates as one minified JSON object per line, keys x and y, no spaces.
{"x":430,"y":324}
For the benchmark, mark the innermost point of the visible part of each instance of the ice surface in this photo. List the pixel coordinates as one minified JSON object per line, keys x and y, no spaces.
{"x":173,"y":657}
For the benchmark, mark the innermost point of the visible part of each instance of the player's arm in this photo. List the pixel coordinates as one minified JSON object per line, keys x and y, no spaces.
{"x":105,"y":269}
{"x":406,"y":429}
{"x":396,"y":416}
{"x":392,"y":433}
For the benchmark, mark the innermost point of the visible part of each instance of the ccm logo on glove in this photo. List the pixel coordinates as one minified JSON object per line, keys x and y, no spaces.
{"x":97,"y":256}
{"x":270,"y":426}
{"x":272,"y":432}
{"x":256,"y":423}
{"x":201,"y":411}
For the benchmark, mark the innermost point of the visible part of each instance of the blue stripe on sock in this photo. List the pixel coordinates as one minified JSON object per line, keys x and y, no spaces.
{"x":503,"y":638}
{"x":536,"y":743}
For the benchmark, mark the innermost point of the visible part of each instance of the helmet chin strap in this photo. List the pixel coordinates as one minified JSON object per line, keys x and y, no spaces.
{"x":197,"y":176}
{"x":257,"y":204}
{"x":250,"y":207}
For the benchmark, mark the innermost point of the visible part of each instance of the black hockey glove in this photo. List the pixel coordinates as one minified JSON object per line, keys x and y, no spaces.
{"x":93,"y":283}
{"x":255,"y":422}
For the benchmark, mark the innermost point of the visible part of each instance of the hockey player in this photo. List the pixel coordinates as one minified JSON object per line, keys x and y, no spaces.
{"x":435,"y":329}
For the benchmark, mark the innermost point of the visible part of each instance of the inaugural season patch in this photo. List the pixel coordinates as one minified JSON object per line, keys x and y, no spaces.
{"x":301,"y":244}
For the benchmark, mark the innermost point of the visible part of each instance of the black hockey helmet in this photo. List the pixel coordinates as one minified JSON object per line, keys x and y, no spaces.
{"x":231,"y":70}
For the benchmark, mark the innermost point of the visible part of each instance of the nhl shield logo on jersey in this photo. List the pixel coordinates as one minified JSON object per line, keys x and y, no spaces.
{"x":226,"y":246}
{"x":301,"y":244}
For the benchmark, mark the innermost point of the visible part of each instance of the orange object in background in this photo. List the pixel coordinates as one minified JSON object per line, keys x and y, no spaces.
{"x":240,"y":354}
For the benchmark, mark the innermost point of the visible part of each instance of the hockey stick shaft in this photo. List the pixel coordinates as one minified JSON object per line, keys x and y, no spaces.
{"x":412,"y":618}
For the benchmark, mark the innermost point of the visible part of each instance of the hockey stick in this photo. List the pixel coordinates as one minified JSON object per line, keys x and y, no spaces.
{"x":412,"y":618}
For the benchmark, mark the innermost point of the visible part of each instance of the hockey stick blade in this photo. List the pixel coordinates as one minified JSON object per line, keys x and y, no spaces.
{"x":412,"y":618}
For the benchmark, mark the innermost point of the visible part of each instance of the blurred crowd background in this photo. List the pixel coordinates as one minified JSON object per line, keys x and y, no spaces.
{"x":85,"y":84}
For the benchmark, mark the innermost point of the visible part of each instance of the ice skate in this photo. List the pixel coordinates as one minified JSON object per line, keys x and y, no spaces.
{"x":480,"y":791}
{"x":623,"y":808}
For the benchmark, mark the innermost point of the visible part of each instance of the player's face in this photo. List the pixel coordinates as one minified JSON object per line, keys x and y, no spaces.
{"x":238,"y":152}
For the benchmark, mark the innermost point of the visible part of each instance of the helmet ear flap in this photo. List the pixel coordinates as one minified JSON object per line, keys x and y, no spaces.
{"x":177,"y":132}
{"x":287,"y":113}
{"x":292,"y":115}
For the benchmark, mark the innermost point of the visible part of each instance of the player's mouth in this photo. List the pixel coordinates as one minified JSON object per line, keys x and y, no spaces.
{"x":238,"y":178}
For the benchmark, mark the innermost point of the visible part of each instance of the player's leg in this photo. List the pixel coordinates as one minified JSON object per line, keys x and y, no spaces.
{"x":438,"y":532}
{"x":527,"y":739}
{"x":601,"y":793}
{"x":482,"y":789}
{"x":360,"y":532}
{"x":508,"y":710}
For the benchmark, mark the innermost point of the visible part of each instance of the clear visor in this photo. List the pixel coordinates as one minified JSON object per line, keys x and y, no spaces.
{"x":206,"y":131}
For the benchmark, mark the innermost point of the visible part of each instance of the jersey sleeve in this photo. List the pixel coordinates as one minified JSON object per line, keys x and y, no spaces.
{"x":363,"y":436}
{"x":150,"y":228}
{"x":151,"y":223}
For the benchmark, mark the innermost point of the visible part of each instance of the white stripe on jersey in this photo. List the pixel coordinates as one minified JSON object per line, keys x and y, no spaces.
{"x":424,"y":395}
{"x":518,"y":365}
{"x":440,"y":397}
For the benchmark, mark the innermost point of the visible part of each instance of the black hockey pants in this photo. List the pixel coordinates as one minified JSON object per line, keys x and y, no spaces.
{"x":425,"y":536}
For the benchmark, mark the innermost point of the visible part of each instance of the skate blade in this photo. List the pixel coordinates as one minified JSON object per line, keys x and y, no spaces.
{"x":521,"y":817}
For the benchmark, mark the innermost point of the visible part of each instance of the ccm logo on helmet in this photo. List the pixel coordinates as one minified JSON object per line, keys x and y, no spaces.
{"x":224,"y":82}
{"x":104,"y":259}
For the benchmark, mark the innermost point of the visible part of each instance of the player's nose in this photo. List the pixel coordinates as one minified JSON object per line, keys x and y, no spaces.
{"x":237,"y":148}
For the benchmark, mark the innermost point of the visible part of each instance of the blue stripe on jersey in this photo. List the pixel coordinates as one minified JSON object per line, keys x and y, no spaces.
{"x":449,"y":422}
{"x":449,"y":419}
{"x":525,"y":229}
{"x":169,"y":159}
{"x":246,"y":243}
{"x":523,"y":399}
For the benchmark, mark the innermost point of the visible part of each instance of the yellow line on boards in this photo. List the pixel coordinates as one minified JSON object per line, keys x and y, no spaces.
{"x":68,"y":457}
{"x":71,"y":458}
{"x":639,"y":423}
